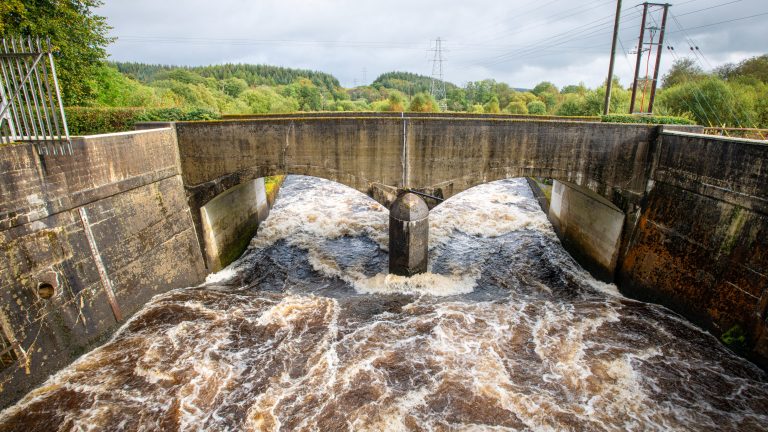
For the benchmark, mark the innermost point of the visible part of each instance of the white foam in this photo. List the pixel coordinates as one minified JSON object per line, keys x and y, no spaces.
{"x":425,"y":283}
{"x":489,"y":210}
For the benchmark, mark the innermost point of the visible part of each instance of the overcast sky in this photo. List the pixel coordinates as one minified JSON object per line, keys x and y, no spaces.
{"x":514,"y":41}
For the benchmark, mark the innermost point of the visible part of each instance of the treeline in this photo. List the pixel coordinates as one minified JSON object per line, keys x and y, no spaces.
{"x":733,"y":95}
{"x":253,"y":75}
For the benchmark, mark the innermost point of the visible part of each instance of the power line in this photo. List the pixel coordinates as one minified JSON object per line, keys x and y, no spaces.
{"x":723,"y":22}
{"x":711,"y":7}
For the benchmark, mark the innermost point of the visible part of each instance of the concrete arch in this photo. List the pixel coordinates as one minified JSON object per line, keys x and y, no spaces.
{"x":438,"y":155}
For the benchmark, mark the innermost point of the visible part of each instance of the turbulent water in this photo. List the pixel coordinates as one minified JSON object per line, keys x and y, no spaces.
{"x":307,"y":332}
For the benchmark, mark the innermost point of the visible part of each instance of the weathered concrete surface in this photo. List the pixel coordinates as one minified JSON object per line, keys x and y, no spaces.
{"x":108,"y":228}
{"x":701,"y":244}
{"x":408,"y":235}
{"x":230,"y":221}
{"x":589,"y":227}
{"x":438,"y":155}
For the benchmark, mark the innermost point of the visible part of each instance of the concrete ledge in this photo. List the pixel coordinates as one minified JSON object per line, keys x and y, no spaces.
{"x":36,"y":186}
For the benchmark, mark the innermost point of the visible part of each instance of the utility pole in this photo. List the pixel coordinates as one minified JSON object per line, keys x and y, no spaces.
{"x":609,"y":83}
{"x":437,"y":87}
{"x":641,"y":49}
{"x":639,"y":59}
{"x":658,"y":58}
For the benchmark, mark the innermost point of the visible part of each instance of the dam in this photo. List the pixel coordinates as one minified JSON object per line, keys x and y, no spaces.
{"x":658,"y":214}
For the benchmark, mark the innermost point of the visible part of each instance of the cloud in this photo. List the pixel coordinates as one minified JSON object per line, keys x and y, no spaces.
{"x":518,"y":42}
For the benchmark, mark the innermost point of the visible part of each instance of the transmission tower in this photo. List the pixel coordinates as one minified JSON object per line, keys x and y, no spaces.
{"x":437,"y":87}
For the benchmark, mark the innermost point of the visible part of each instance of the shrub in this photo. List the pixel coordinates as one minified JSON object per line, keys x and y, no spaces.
{"x":649,"y":119}
{"x":90,"y":121}
{"x":537,"y":108}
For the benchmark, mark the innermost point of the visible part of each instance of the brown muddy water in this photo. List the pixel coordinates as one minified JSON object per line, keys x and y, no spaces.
{"x":307,"y":332}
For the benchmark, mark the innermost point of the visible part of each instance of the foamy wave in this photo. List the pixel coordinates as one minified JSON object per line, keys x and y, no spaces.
{"x":506,"y":206}
{"x":426,"y":283}
{"x":330,"y":211}
{"x":222,"y":275}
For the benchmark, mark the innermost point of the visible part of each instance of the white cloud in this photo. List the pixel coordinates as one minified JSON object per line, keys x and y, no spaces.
{"x":519,"y":42}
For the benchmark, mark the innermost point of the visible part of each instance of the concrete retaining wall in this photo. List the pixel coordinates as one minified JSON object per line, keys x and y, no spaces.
{"x":107,"y":228}
{"x":701,"y":242}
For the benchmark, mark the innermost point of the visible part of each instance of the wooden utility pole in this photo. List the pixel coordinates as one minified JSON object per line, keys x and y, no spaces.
{"x":658,"y":58}
{"x":641,"y":48}
{"x":640,"y":45}
{"x":609,"y":83}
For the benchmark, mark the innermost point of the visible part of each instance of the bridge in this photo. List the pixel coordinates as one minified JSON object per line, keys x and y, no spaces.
{"x":671,"y":215}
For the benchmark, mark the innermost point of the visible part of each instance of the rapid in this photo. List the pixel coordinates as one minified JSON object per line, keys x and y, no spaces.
{"x":306,"y":331}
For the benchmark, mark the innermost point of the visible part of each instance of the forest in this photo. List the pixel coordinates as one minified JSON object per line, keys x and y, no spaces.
{"x":733,"y":95}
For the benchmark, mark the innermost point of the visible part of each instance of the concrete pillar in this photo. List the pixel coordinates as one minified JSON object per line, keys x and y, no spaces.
{"x":408,"y":235}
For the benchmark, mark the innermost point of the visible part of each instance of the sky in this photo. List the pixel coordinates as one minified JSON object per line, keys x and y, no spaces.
{"x":518,"y":42}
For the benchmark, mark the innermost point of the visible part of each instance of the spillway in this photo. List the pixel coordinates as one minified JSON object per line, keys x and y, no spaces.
{"x":307,"y":331}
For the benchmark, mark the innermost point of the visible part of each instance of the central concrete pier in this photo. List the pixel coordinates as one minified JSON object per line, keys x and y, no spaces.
{"x":408,"y":235}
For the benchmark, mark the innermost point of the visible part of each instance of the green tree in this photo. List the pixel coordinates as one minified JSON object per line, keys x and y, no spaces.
{"x":492,"y":107}
{"x":396,"y":102}
{"x":234,"y":86}
{"x":113,"y":89}
{"x":544,"y":87}
{"x":537,"y":108}
{"x":77,"y":34}
{"x":755,"y":69}
{"x":477,"y":109}
{"x":579,"y":89}
{"x":711,"y":102}
{"x":572,"y":105}
{"x":517,"y":107}
{"x":423,"y":102}
{"x":457,"y":99}
{"x":682,"y":70}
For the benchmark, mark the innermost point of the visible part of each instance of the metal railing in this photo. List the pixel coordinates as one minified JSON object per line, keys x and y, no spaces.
{"x":30,"y":101}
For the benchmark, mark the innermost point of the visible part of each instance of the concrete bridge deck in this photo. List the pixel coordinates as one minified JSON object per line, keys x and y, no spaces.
{"x":122,"y":219}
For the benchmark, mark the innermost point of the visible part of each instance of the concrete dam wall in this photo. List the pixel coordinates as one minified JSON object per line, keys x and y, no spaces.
{"x":135,"y":214}
{"x":86,"y":240}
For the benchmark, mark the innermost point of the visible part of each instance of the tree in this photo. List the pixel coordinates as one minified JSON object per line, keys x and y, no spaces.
{"x":77,"y":34}
{"x":517,"y":107}
{"x":682,"y":70}
{"x":234,"y":86}
{"x":755,"y":68}
{"x":537,"y":108}
{"x":544,"y":87}
{"x":492,"y":107}
{"x":574,"y":89}
{"x":306,"y":93}
{"x":572,"y":105}
{"x":396,"y":102}
{"x":423,"y":102}
{"x":711,"y":102}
